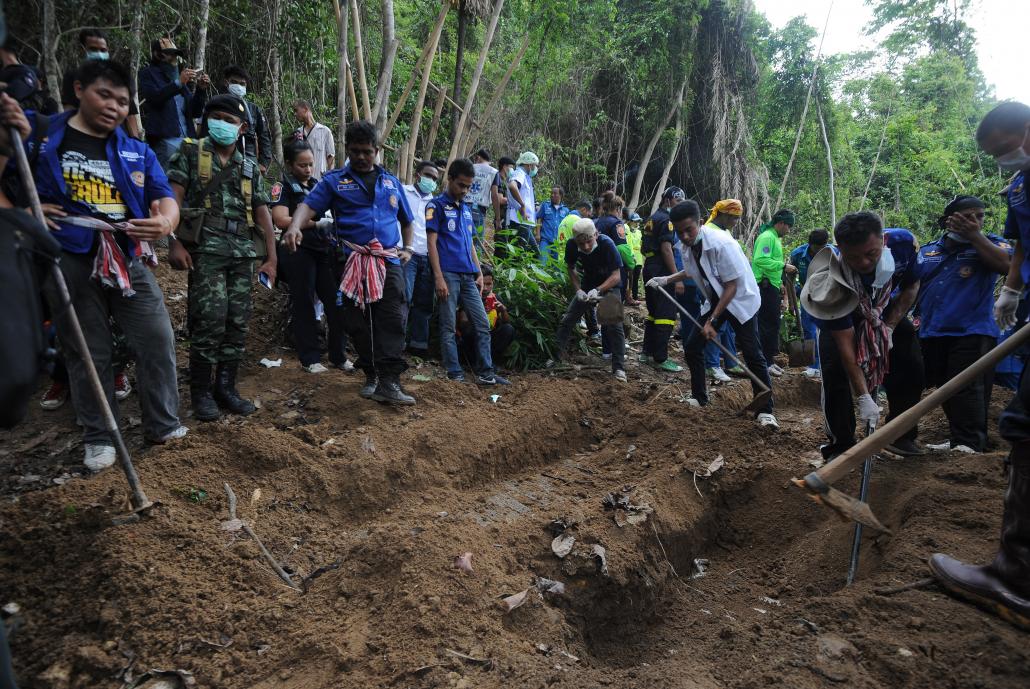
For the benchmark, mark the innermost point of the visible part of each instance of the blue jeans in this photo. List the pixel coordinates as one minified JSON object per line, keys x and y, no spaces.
{"x":548,"y":249}
{"x":421,"y":295}
{"x":462,"y":288}
{"x":165,"y":149}
{"x":808,"y":328}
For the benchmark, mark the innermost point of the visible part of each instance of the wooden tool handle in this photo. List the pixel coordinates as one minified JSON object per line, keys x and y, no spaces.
{"x":883,"y":437}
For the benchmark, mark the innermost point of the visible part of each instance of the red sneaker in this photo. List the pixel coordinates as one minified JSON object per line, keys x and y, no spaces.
{"x":122,"y":388}
{"x":55,"y":396}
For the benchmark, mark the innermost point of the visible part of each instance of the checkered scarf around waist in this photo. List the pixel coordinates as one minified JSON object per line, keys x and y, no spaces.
{"x":364,"y":275}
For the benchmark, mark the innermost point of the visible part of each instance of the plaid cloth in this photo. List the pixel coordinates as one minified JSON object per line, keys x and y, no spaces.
{"x":365,"y":272}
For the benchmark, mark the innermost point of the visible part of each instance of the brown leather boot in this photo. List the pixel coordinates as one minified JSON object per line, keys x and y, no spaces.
{"x":1002,"y":587}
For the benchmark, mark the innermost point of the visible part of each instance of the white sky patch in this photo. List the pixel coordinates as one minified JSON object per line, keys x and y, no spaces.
{"x":1000,"y":27}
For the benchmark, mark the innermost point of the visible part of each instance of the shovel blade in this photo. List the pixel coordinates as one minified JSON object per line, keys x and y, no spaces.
{"x":849,"y":508}
{"x":759,"y":402}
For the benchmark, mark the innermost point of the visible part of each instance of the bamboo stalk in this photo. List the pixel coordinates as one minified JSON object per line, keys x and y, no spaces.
{"x":359,"y":51}
{"x":876,"y":159}
{"x":499,"y":91}
{"x":829,"y":162}
{"x":420,"y":99}
{"x":476,"y":76}
{"x":437,"y":114}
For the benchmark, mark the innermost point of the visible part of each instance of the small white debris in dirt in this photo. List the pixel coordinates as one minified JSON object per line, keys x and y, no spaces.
{"x":550,"y":586}
{"x":441,"y":515}
{"x":269,"y":363}
{"x":494,"y":398}
{"x":562,"y":544}
{"x":707,"y":612}
{"x":232,"y":525}
{"x":331,"y":441}
{"x":905,"y":653}
{"x":543,"y":648}
{"x":367,"y":445}
{"x":62,"y":479}
{"x":516,"y":600}
{"x":464,"y":562}
{"x":12,"y":609}
{"x":699,"y":568}
{"x":770,"y":601}
{"x":569,"y":656}
{"x":290,"y":415}
{"x":764,"y":612}
{"x":257,"y":403}
{"x":29,"y":478}
{"x":601,"y":555}
{"x":630,"y":450}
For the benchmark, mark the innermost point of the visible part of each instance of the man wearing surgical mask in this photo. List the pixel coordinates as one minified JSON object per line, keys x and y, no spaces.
{"x":257,"y":137}
{"x":1003,"y":586}
{"x":418,"y":274}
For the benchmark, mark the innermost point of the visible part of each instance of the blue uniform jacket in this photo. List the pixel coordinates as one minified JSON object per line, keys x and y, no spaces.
{"x":137,"y":174}
{"x":451,"y":221}
{"x":360,"y":215}
{"x":158,"y":89}
{"x":800,"y":259}
{"x":956,"y":291}
{"x":1017,"y":222}
{"x":550,"y":217}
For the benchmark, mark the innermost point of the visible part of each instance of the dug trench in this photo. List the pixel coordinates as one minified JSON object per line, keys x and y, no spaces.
{"x":683,"y":579}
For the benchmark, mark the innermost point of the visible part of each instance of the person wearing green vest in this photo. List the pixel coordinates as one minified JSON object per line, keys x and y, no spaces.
{"x":635,"y":237}
{"x":768,"y":264}
{"x":583,"y":209}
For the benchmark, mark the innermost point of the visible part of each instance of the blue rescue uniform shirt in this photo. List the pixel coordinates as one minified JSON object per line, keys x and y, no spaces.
{"x":956,"y":291}
{"x":800,"y":259}
{"x":451,"y":221}
{"x":905,"y":250}
{"x":596,"y":266}
{"x":134,"y":167}
{"x":550,"y":217}
{"x":362,"y":214}
{"x":1017,"y":221}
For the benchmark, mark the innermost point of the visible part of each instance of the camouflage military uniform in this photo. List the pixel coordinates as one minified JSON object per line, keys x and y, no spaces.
{"x":223,"y":258}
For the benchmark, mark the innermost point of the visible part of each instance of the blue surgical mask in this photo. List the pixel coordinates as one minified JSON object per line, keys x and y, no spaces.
{"x":98,"y":55}
{"x":222,"y":132}
{"x":427,"y":185}
{"x":532,"y":173}
{"x":884,"y":269}
{"x":238,"y":90}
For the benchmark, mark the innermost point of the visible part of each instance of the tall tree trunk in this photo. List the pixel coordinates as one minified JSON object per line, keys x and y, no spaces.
{"x":342,"y":14}
{"x":622,"y":136}
{"x":201,"y":53}
{"x":135,"y":56}
{"x":638,"y":183}
{"x":459,"y":64}
{"x":876,"y":160}
{"x":385,"y":81}
{"x":50,"y":38}
{"x":441,"y":99}
{"x":829,"y":163}
{"x":498,"y":92}
{"x":420,"y":99}
{"x":466,"y":115}
{"x":275,"y":67}
{"x":321,"y":64}
{"x":359,"y":54}
{"x":673,"y":154}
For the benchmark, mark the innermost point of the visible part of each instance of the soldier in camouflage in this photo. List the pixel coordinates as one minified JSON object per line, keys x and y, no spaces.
{"x":226,"y":227}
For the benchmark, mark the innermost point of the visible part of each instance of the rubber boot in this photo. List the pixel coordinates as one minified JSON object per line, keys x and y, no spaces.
{"x":389,"y":391}
{"x":1002,"y":587}
{"x":225,"y":391}
{"x":204,"y":407}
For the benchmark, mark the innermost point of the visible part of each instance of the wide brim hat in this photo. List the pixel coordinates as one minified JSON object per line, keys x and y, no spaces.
{"x":827,"y":294}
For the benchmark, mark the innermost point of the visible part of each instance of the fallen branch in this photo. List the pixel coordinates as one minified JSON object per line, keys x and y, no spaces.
{"x":250,"y":532}
{"x":920,"y":584}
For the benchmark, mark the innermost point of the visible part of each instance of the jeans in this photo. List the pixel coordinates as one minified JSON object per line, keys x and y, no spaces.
{"x":548,"y":249}
{"x":713,"y":355}
{"x":769,"y":319}
{"x":691,"y":301}
{"x":377,"y":330}
{"x":164,"y":149}
{"x":479,"y":220}
{"x":945,"y":358}
{"x":526,"y":237}
{"x":903,"y":382}
{"x":421,"y":295}
{"x":612,"y":335}
{"x":310,"y":275}
{"x":462,"y":287}
{"x":810,"y":331}
{"x":144,"y":320}
{"x":747,"y":335}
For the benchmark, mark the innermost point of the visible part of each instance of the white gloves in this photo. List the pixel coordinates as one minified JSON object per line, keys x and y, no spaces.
{"x":1005,"y":308}
{"x":325,"y":224}
{"x":660,"y":281}
{"x":581,"y":295}
{"x":868,"y":411}
{"x":593,"y":295}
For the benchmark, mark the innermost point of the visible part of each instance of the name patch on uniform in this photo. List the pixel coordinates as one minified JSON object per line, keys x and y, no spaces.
{"x":131,"y":156}
{"x":138,"y":178}
{"x":346,"y":184}
{"x":277,"y":191}
{"x":388,"y":183}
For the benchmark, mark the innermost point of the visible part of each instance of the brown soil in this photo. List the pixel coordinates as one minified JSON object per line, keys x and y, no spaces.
{"x":369,"y":506}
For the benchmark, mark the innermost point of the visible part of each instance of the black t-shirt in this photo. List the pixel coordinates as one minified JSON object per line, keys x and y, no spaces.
{"x":291,"y":193}
{"x":595,"y":266}
{"x":611,"y":227}
{"x":657,"y":229}
{"x":89,"y":180}
{"x":369,"y":179}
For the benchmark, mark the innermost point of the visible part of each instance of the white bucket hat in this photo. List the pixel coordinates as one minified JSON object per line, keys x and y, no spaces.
{"x":827,"y":294}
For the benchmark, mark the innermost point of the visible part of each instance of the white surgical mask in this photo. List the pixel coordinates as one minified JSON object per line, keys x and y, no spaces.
{"x":238,"y":90}
{"x":884,"y":269}
{"x":1017,"y":159}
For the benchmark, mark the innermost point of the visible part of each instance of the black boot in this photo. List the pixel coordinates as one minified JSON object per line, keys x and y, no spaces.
{"x":1002,"y":587}
{"x":225,"y":391}
{"x":371,"y":383}
{"x":204,"y":407}
{"x":389,"y":391}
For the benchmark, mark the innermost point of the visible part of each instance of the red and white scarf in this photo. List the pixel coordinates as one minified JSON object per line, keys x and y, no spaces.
{"x":365,"y":272}
{"x":111,"y":266}
{"x":872,"y":335}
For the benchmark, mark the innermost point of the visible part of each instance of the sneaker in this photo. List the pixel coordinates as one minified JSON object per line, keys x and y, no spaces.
{"x":938,"y":447}
{"x":178,"y":434}
{"x":906,"y":448}
{"x":964,"y":448}
{"x":492,"y":379}
{"x":316,"y":367}
{"x":736,"y":371}
{"x":369,"y":388}
{"x":812,"y":373}
{"x":595,"y":337}
{"x":347,"y":366}
{"x":718,"y":375}
{"x":55,"y":396}
{"x":691,"y":402}
{"x":775,"y":370}
{"x":456,"y":377}
{"x":99,"y":457}
{"x":644,"y":358}
{"x":620,"y":375}
{"x":122,"y":387}
{"x":669,"y":365}
{"x":768,"y":421}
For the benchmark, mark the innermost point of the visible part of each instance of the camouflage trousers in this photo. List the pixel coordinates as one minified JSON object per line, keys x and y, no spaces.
{"x":219,"y":307}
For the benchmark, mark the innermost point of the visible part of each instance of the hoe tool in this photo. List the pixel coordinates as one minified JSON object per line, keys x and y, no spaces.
{"x":818,"y":483}
{"x":762,"y":398}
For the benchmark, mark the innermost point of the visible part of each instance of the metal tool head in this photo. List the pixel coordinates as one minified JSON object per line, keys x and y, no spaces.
{"x":846,"y":507}
{"x":759,"y":402}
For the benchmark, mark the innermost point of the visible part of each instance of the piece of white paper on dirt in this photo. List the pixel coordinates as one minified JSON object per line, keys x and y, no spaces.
{"x":515,"y":601}
{"x":269,"y":363}
{"x":602,"y":556}
{"x":562,"y":544}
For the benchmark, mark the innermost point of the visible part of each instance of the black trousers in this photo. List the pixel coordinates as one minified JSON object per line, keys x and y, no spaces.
{"x":501,"y":338}
{"x":1014,"y":424}
{"x":310,"y":274}
{"x":747,"y":342}
{"x":946,"y":357}
{"x":377,"y":331}
{"x":769,"y":319}
{"x":904,"y":384}
{"x":661,"y":317}
{"x":635,"y":281}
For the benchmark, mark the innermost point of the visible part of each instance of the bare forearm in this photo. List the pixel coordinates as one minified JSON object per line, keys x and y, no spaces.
{"x":729,"y":291}
{"x":301,"y":217}
{"x":434,"y":255}
{"x":612,"y":280}
{"x":900,"y":305}
{"x":1015,"y":276}
{"x":407,"y":232}
{"x":993,"y":256}
{"x":573,"y":280}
